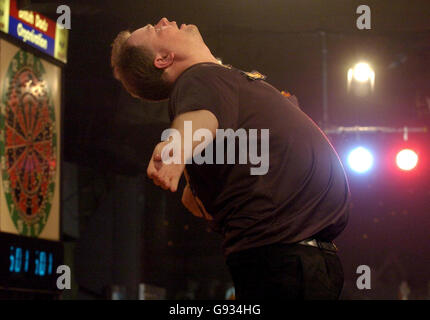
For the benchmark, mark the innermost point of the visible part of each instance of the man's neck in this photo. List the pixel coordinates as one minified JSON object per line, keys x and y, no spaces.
{"x":174,"y":71}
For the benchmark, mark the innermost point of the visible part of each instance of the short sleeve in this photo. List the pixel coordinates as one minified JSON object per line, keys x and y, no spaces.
{"x":208,"y":89}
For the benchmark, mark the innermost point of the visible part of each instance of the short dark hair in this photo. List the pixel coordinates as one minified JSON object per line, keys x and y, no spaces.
{"x":134,"y":67}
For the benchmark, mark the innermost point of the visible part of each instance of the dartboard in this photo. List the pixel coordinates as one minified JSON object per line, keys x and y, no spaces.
{"x":27,"y":144}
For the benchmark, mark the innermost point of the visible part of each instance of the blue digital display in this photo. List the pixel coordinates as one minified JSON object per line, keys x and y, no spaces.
{"x":21,"y":260}
{"x":29,"y":263}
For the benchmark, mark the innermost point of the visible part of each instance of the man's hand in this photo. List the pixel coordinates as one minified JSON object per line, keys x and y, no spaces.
{"x":190,"y":203}
{"x":193,"y":204}
{"x":166,"y":176}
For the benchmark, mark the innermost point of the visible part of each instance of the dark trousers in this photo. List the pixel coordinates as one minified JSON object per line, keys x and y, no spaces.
{"x":286,"y":271}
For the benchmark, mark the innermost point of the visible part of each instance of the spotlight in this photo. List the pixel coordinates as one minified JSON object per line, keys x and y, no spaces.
{"x":360,"y":160}
{"x":363,"y":74}
{"x":406,"y":159}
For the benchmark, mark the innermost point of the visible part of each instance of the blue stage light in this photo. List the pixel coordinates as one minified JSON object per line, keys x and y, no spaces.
{"x":360,"y":160}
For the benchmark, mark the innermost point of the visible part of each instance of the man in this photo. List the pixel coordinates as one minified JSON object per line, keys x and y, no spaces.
{"x":277,"y":225}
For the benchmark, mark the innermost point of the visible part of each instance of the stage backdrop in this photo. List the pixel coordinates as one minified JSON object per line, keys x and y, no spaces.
{"x":29,"y":144}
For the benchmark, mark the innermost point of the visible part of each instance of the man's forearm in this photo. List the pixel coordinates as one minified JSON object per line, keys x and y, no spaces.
{"x":200,"y":119}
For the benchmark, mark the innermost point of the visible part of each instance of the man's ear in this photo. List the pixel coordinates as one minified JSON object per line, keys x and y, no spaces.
{"x":162,"y":61}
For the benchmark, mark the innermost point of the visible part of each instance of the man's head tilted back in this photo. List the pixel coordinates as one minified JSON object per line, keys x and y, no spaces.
{"x":148,"y":61}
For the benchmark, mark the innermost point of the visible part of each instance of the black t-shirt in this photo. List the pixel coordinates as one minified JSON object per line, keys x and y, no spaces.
{"x":304,"y":193}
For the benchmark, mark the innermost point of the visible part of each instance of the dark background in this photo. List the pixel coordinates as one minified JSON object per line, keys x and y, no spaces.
{"x":131,"y":232}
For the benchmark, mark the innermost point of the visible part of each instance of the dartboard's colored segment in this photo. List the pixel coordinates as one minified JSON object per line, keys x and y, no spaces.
{"x":27,"y":144}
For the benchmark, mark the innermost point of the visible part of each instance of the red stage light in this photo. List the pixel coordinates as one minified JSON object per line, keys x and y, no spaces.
{"x":406,"y":159}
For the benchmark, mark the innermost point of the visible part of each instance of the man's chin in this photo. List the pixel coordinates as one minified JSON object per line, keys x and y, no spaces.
{"x":191,"y":28}
{"x":194,"y":31}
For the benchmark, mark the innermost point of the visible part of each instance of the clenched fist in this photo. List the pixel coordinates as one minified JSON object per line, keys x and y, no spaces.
{"x":166,"y":176}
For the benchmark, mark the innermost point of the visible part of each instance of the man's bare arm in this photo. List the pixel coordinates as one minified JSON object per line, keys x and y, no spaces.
{"x":200,"y":119}
{"x":167,"y":175}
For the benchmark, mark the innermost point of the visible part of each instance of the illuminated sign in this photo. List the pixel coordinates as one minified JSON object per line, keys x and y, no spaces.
{"x":34,"y":29}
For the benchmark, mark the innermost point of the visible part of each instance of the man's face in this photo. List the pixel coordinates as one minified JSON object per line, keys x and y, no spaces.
{"x":165,"y":36}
